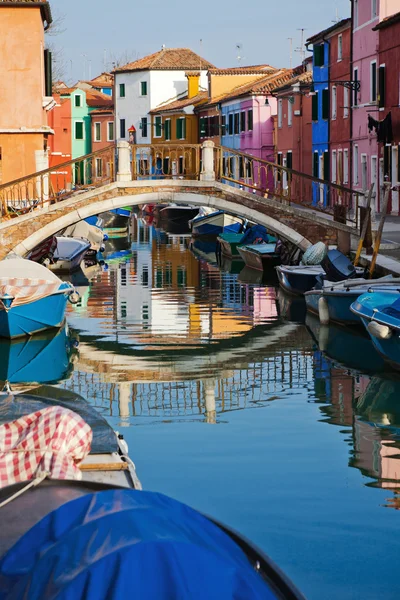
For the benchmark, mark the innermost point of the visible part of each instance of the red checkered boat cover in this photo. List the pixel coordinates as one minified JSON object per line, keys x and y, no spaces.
{"x":53,"y":440}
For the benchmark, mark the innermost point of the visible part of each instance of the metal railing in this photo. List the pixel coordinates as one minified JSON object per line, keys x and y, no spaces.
{"x":166,"y":161}
{"x":57,"y":183}
{"x":279,"y":182}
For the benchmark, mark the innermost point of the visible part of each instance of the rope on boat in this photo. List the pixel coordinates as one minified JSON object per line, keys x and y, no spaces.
{"x":35,"y":482}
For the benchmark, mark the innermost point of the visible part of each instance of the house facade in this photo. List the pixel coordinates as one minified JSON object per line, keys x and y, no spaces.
{"x":147,"y":83}
{"x":26,"y":96}
{"x":60,"y":144}
{"x":389,"y":104}
{"x":293,"y":131}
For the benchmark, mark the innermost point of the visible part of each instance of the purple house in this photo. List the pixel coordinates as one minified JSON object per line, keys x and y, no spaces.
{"x":248,"y":115}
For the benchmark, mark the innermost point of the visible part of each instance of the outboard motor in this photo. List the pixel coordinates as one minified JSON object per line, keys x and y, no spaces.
{"x":338,"y":267}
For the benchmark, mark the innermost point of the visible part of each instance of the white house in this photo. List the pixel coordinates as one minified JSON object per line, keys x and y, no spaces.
{"x":148,"y":82}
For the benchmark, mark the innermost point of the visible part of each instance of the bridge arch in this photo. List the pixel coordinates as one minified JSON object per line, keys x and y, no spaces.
{"x":31,"y":230}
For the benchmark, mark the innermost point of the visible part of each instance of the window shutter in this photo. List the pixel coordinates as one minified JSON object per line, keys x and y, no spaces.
{"x":223,"y":125}
{"x":237,"y":123}
{"x":230,"y":124}
{"x":122,"y":133}
{"x":319,"y":55}
{"x":179,"y":129}
{"x":315,"y":107}
{"x":289,"y":160}
{"x":315,"y":164}
{"x":382,"y":87}
{"x":250,"y":120}
{"x":48,"y":73}
{"x":325,"y":104}
{"x":242,"y":121}
{"x":326,"y":166}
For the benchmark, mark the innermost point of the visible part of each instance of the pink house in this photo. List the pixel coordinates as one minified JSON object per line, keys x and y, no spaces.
{"x":367,"y":164}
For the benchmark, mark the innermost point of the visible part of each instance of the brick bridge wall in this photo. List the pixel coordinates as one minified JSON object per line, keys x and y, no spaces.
{"x":297,"y":225}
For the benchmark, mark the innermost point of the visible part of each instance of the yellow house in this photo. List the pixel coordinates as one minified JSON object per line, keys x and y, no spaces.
{"x":26,"y":94}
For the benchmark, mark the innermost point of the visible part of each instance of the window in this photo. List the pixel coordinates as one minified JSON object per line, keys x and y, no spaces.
{"x":250,"y":120}
{"x":334,"y":164}
{"x":242,"y":121}
{"x":315,"y":164}
{"x":364,"y":174}
{"x":143,"y":126}
{"x":122,"y":132}
{"x":237,"y":123}
{"x":340,"y":47}
{"x":167,"y":129}
{"x":355,"y":165}
{"x":314,"y":106}
{"x":78,"y":100}
{"x":79,"y":130}
{"x":280,"y":111}
{"x":289,"y":159}
{"x":374,"y":12}
{"x":99,"y":167}
{"x":202,"y":125}
{"x":345,"y":166}
{"x":143,"y":88}
{"x":122,"y":90}
{"x":319,"y":59}
{"x":334,"y":102}
{"x":373,"y":82}
{"x":346,"y":103}
{"x":214,"y":126}
{"x":110,"y":131}
{"x":97,"y":132}
{"x":158,"y":127}
{"x":230,"y":124}
{"x":339,"y":177}
{"x":325,"y":174}
{"x":325,"y":104}
{"x":223,"y":125}
{"x":290,"y":111}
{"x":279,"y":162}
{"x":355,"y":94}
{"x":382,"y":86}
{"x":181,"y":128}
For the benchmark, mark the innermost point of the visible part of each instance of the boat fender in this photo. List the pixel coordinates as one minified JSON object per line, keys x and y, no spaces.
{"x":381,"y":332}
{"x":323,"y":338}
{"x":74,"y":297}
{"x":323,"y":311}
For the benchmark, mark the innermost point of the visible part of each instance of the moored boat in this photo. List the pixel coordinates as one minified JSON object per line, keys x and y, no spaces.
{"x":228,"y":244}
{"x":216,"y":223}
{"x":116,"y":219}
{"x":32,"y":299}
{"x":299,"y":279}
{"x":262,"y":257}
{"x":83,"y":230}
{"x":69,"y":254}
{"x":379,"y":311}
{"x":177,"y":212}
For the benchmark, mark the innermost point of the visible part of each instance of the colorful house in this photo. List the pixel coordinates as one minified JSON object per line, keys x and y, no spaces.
{"x":26,"y":88}
{"x":60,"y":144}
{"x":389,"y":104}
{"x":293,"y":133}
{"x":103,"y":83}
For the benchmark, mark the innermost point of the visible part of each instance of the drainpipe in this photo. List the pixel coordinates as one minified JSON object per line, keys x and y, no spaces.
{"x":350,"y":182}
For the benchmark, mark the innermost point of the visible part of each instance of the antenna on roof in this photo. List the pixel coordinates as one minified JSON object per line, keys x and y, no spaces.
{"x":239,"y":48}
{"x":163,"y":47}
{"x":337,"y":18}
{"x":301,"y":48}
{"x":290,"y":52}
{"x":201,"y":52}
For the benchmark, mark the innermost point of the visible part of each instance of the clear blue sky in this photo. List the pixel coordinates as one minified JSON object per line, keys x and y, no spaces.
{"x":125,"y":28}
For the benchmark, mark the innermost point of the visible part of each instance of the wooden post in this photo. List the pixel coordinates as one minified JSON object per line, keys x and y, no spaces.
{"x":365,"y":225}
{"x":380,"y":230}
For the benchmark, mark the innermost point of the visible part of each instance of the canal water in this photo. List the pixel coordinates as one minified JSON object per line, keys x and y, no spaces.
{"x":235,"y":403}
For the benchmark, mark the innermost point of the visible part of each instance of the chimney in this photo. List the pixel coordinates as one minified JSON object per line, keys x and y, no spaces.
{"x":193,"y":78}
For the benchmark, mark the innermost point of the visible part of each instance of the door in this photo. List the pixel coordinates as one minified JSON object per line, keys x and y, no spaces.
{"x":395,"y":182}
{"x":321,"y":176}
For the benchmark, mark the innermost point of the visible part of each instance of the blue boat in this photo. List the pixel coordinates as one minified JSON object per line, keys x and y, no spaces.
{"x":300,"y":279}
{"x":32,"y":298}
{"x":379,"y":311}
{"x":216,"y":223}
{"x":95,"y":220}
{"x":46,"y":358}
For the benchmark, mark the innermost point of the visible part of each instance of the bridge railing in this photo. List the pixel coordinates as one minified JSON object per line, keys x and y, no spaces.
{"x":166,"y":161}
{"x":57,"y":183}
{"x":272,"y":180}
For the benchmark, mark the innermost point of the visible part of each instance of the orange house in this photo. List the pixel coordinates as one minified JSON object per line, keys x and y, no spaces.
{"x":60,"y":144}
{"x":26,"y":91}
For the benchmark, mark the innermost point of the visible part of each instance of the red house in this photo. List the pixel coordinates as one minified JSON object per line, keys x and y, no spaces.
{"x":387,"y":119}
{"x":340,"y":102}
{"x":60,"y":144}
{"x":293,"y":132}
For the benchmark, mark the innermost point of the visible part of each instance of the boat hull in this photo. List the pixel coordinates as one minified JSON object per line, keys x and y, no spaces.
{"x":262,"y":262}
{"x":297,"y":282}
{"x":216,"y":223}
{"x":178,"y":213}
{"x":115,"y":220}
{"x":229,"y":245}
{"x":31,"y":318}
{"x":338,"y":305}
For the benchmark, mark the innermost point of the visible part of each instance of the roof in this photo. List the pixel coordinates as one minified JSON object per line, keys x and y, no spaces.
{"x":322,"y":34}
{"x":175,"y":59}
{"x":249,"y":70}
{"x":43,"y":4}
{"x":180,"y":104}
{"x":65,"y":90}
{"x":98,"y":99}
{"x":387,"y":22}
{"x":102,"y":111}
{"x":262,"y":86}
{"x":303,"y":79}
{"x":102,"y":80}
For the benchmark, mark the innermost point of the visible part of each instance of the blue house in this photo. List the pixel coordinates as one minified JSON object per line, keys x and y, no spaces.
{"x":320,"y":115}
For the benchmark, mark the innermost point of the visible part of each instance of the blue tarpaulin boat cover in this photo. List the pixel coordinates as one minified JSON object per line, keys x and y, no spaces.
{"x":255,"y":234}
{"x":128,"y":544}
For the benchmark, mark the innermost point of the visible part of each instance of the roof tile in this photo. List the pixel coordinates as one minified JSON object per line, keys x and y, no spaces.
{"x":181,"y":103}
{"x":168,"y":59}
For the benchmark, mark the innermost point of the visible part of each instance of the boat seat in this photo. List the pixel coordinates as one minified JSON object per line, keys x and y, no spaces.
{"x":393,"y":310}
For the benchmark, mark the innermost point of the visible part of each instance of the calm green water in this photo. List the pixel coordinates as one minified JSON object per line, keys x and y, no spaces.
{"x":229,"y":404}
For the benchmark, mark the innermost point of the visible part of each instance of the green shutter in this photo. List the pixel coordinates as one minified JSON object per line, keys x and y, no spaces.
{"x":315,"y":164}
{"x":79,"y":130}
{"x":319,"y":58}
{"x":315,"y":107}
{"x":179,"y":129}
{"x":167,"y":129}
{"x":122,"y":90}
{"x":158,"y":127}
{"x":325,"y":104}
{"x":144,"y":88}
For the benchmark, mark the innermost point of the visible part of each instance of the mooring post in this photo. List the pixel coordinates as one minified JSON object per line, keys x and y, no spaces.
{"x":124,"y":162}
{"x":207,"y":158}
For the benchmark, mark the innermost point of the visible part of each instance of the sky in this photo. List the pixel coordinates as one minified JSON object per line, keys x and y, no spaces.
{"x":96,"y":33}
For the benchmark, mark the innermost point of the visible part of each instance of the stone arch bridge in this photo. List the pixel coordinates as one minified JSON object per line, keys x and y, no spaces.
{"x":36,"y":207}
